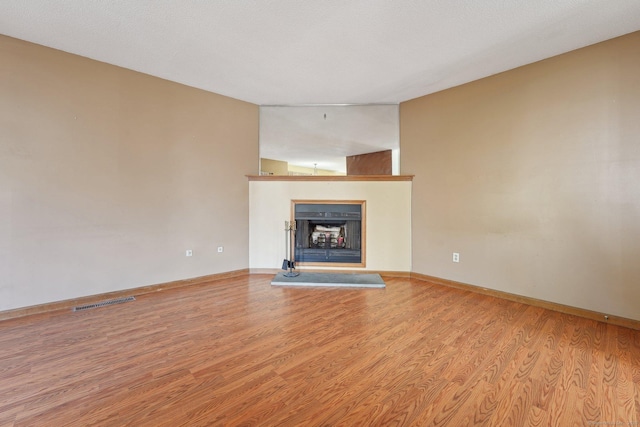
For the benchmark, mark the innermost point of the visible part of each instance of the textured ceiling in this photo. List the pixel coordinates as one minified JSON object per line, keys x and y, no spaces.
{"x":318,"y":52}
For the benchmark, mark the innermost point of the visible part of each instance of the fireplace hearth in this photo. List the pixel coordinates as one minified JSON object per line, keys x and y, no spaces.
{"x":329,"y":232}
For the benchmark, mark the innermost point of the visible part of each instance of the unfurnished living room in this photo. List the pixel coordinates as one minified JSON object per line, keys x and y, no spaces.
{"x":195,"y":195}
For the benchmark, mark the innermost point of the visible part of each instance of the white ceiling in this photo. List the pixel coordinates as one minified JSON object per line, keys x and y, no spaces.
{"x":318,"y":52}
{"x":292,"y":52}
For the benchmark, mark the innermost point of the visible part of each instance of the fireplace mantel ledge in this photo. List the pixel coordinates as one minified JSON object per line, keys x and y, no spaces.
{"x":330,"y":177}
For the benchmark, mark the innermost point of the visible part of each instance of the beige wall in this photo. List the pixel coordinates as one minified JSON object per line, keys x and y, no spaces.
{"x":533,"y":176}
{"x":388,"y":219}
{"x":274,"y":167}
{"x":301,"y":170}
{"x":278,"y":167}
{"x":107,"y":176}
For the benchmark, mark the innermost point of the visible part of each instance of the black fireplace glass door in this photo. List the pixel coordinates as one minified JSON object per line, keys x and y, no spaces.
{"x":328,"y":233}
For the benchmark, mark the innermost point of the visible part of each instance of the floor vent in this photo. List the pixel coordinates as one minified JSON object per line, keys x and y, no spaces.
{"x":103,"y":303}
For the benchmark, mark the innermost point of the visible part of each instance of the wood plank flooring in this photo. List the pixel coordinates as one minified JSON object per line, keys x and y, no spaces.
{"x":241,"y":352}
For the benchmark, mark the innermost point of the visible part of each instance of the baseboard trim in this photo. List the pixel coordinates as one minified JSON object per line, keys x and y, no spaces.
{"x":68,"y":304}
{"x":264,"y":270}
{"x":401,"y":274}
{"x":580,"y":312}
{"x":91,"y":299}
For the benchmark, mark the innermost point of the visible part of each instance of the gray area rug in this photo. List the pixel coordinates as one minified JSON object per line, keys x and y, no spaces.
{"x":330,"y":279}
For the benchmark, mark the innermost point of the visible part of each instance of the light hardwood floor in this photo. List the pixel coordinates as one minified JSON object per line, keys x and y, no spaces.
{"x":241,"y":352}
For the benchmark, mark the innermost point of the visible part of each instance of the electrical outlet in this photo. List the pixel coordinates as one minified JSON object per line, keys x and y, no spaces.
{"x":456,"y":257}
{"x":189,"y":252}
{"x":220,"y":249}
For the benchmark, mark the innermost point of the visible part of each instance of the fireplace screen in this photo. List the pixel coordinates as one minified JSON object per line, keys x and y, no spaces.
{"x":329,"y":232}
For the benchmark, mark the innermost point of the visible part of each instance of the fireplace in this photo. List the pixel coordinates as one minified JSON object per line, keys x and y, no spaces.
{"x":329,"y":232}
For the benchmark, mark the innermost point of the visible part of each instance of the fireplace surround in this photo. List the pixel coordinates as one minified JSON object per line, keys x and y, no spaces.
{"x":387,"y":223}
{"x":329,"y":232}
